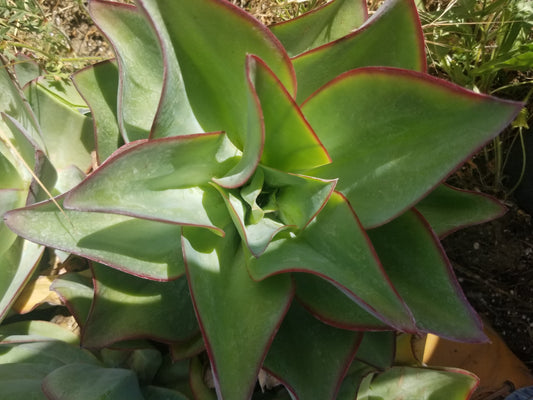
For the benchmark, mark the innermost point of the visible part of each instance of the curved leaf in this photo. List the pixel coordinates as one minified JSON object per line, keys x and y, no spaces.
{"x":98,"y":84}
{"x":212,"y":61}
{"x":97,"y":383}
{"x":371,"y":45}
{"x":17,"y":265}
{"x":290,"y":143}
{"x":335,"y":247}
{"x":141,"y":247}
{"x":76,"y":291}
{"x":386,"y":162}
{"x":68,"y":135}
{"x":420,"y":384}
{"x":332,"y":306}
{"x":306,"y":351}
{"x":127,"y":307}
{"x":448,"y":209}
{"x":141,"y":78}
{"x":161,"y":179}
{"x":321,"y":25}
{"x":230,"y":305}
{"x":420,"y":270}
{"x":22,"y":381}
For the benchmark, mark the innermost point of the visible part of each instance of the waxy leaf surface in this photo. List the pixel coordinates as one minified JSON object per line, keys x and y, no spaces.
{"x":321,"y":25}
{"x":99,"y":86}
{"x":164,"y":179}
{"x":419,"y":383}
{"x":212,"y":61}
{"x":230,"y":305}
{"x":128,"y":307}
{"x":305,"y":350}
{"x":141,"y":78}
{"x":448,"y":209}
{"x":335,"y":247}
{"x":419,"y":269}
{"x":371,"y":45}
{"x":141,"y":247}
{"x":98,"y":383}
{"x":386,"y":162}
{"x":290,"y":144}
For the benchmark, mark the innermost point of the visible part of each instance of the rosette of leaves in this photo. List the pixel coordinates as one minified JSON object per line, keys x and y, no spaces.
{"x":269,"y":200}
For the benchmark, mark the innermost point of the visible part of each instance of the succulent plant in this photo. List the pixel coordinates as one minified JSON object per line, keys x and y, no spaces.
{"x":265,"y":201}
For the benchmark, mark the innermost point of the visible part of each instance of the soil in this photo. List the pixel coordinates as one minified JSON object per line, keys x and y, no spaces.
{"x":493,"y":261}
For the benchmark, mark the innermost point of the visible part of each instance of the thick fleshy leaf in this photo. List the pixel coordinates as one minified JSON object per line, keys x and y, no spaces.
{"x":159,"y":393}
{"x":22,"y":381}
{"x":127,"y":307}
{"x":17,"y":264}
{"x":98,"y":85}
{"x":186,"y":349}
{"x":230,"y":305}
{"x":174,"y":115}
{"x":26,"y":69}
{"x":350,"y":384}
{"x":387,"y":161}
{"x":332,"y":306}
{"x":335,"y":247}
{"x":76,"y":291}
{"x":68,"y":135}
{"x":448,"y":209}
{"x":212,"y":61}
{"x":252,"y":141}
{"x":36,"y":331}
{"x":419,"y":383}
{"x":198,"y":386}
{"x":141,"y":247}
{"x":321,"y":25}
{"x":164,"y":180}
{"x":377,"y":349}
{"x":13,"y":103}
{"x":423,"y":275}
{"x":141,"y":78}
{"x":298,"y":198}
{"x":305,"y":350}
{"x":9,"y":200}
{"x":98,"y":383}
{"x":257,"y":235}
{"x":290,"y":143}
{"x":371,"y":45}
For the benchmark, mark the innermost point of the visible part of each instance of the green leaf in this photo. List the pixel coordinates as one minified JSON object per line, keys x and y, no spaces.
{"x":371,"y":45}
{"x":311,"y":358}
{"x":174,"y":101}
{"x":321,"y":25}
{"x":99,"y":86}
{"x":159,"y":393}
{"x":36,"y":331}
{"x":448,"y":209}
{"x":141,"y":78}
{"x":161,"y":179}
{"x":212,"y":61}
{"x":419,"y":383}
{"x":98,"y":383}
{"x":386,"y":161}
{"x":9,"y":199}
{"x":230,"y":305}
{"x":17,"y":264}
{"x":253,"y":140}
{"x":141,"y":247}
{"x":420,"y":270}
{"x":290,"y":143}
{"x":76,"y":291}
{"x":332,"y":306}
{"x":22,"y":381}
{"x":256,"y":235}
{"x":377,"y":349}
{"x":68,"y":135}
{"x":128,"y":307}
{"x":335,"y":247}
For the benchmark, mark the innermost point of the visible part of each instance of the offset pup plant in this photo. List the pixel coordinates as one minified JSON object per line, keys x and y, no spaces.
{"x":266,"y":202}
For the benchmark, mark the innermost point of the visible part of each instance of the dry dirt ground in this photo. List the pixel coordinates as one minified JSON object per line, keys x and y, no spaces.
{"x":493,"y":261}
